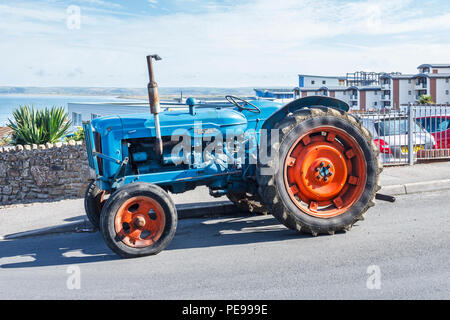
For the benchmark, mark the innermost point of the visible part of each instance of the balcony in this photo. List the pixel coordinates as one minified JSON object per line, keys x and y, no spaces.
{"x":386,"y":86}
{"x":420,"y":86}
{"x":353,"y":97}
{"x":385,"y":98}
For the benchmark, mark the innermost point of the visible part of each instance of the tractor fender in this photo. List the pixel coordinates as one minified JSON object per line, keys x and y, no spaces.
{"x":301,"y":103}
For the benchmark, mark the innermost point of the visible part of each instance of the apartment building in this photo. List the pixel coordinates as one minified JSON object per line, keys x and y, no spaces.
{"x":361,"y":89}
{"x":432,"y":80}
{"x":358,"y":98}
{"x":368,"y":90}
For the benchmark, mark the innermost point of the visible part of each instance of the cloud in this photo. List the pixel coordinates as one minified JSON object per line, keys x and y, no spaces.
{"x":101,"y":3}
{"x":251,"y":43}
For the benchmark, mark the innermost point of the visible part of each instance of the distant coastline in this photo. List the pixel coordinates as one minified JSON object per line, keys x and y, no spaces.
{"x":125,"y":93}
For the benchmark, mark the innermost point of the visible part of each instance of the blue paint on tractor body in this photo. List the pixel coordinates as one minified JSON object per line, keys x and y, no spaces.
{"x":121,"y":148}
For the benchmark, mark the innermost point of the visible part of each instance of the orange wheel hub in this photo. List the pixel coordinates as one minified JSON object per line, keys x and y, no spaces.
{"x":140,"y":222}
{"x":325,"y":172}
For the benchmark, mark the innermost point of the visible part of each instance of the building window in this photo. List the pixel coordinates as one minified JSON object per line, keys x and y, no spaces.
{"x":409,"y":93}
{"x":345,"y":93}
{"x":375,"y":103}
{"x":76,"y":119}
{"x":324,"y":82}
{"x":446,"y":80}
{"x":446,"y":92}
{"x":94,"y":116}
{"x":313,"y":82}
{"x":375,"y":93}
{"x":409,"y":81}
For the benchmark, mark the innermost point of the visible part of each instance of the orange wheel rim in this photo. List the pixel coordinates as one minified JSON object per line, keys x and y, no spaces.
{"x":325,"y":172}
{"x":140,"y":222}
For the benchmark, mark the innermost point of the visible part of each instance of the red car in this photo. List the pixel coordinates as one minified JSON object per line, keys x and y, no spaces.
{"x":439,"y":127}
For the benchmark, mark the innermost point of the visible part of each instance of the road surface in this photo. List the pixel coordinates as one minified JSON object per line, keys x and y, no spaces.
{"x":401,"y":251}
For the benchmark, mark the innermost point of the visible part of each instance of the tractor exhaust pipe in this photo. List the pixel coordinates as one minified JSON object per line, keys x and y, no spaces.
{"x":153,"y":98}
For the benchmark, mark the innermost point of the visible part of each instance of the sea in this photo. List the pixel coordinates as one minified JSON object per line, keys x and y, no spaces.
{"x":9,"y":102}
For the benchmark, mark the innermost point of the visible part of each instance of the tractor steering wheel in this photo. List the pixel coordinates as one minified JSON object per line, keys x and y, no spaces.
{"x":232,"y":100}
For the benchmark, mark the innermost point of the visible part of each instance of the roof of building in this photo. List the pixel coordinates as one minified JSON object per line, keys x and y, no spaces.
{"x":284,"y":90}
{"x":5,"y":131}
{"x":328,"y":77}
{"x":418,"y":75}
{"x":439,"y":75}
{"x":340,"y":88}
{"x":434,"y":65}
{"x":366,"y":88}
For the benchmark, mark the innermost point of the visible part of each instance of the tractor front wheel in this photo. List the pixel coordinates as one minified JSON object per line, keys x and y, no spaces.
{"x":139,"y":219}
{"x":324,"y":174}
{"x":94,"y":199}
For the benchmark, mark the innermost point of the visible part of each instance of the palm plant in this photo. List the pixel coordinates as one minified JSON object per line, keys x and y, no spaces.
{"x":33,"y":126}
{"x":424,"y":99}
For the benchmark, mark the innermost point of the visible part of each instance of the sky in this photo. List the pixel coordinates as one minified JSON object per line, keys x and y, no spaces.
{"x":212,"y":43}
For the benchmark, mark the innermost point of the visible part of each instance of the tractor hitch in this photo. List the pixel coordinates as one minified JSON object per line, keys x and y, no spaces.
{"x":384,"y":197}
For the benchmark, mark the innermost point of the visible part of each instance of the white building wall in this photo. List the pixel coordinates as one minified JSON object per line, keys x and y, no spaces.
{"x":79,"y":112}
{"x":373,"y":99}
{"x":441,"y":70}
{"x":341,"y":95}
{"x":320,"y":82}
{"x":442,"y":91}
{"x":406,"y":91}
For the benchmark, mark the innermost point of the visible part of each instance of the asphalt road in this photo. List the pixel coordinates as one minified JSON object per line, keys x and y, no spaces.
{"x":401,"y":251}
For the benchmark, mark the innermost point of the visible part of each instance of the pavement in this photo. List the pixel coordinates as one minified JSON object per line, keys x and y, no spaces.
{"x":400,"y":251}
{"x":68,"y":215}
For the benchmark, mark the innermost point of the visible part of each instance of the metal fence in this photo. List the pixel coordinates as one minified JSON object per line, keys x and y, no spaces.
{"x":411,"y":134}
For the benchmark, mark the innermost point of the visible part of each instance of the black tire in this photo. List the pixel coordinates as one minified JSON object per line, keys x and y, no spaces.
{"x":93,"y":203}
{"x":115,"y":202}
{"x":248,"y":203}
{"x":272,"y":187}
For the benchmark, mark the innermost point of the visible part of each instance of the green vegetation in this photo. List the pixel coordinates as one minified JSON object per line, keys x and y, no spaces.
{"x":4,"y":141}
{"x":425,"y":99}
{"x":77,"y":135}
{"x":33,"y":126}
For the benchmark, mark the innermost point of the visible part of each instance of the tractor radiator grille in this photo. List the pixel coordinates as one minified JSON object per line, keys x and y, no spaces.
{"x":98,"y":148}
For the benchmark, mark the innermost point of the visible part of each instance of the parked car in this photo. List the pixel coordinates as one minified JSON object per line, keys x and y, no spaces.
{"x":390,"y":134}
{"x":439,"y":127}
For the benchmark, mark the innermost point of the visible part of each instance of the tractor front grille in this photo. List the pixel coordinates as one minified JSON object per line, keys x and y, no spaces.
{"x":98,"y":149}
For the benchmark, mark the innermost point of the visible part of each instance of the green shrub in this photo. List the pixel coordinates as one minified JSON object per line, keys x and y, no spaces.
{"x":77,"y":135}
{"x":5,"y":140}
{"x":31,"y":126}
{"x":423,"y":99}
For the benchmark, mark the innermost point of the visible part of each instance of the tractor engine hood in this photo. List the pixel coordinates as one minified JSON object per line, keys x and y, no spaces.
{"x":204,"y":121}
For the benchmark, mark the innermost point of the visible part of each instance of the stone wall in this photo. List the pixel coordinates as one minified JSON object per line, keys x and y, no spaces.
{"x":43,"y":172}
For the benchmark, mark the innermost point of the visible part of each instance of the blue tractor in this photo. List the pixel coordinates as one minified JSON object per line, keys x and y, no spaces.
{"x":309,"y":163}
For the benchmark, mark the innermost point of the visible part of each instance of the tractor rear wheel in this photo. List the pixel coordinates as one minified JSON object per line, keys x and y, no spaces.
{"x":94,"y":199}
{"x":139,"y":219}
{"x":247,"y":202}
{"x":324,"y":174}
